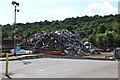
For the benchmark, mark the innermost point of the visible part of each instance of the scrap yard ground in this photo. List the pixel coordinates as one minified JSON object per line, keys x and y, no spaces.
{"x":61,"y":68}
{"x":101,"y":56}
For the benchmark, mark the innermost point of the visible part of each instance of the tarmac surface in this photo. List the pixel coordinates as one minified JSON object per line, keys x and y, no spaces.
{"x":60,"y":68}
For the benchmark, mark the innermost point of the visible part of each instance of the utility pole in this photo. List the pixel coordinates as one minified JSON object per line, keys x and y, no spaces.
{"x":15,"y":4}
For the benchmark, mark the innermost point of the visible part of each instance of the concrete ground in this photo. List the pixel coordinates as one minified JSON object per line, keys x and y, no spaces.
{"x":61,"y":68}
{"x":0,"y":70}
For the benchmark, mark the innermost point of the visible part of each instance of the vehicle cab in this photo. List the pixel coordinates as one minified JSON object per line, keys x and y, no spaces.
{"x":116,"y":54}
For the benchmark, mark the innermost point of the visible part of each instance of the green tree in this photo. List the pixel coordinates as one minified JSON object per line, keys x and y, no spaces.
{"x":101,"y":40}
{"x":92,"y":39}
{"x":110,"y":38}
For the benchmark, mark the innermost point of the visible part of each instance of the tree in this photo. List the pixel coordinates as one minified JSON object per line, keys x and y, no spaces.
{"x":102,"y":29}
{"x":101,"y":40}
{"x":110,"y":38}
{"x":92,"y":39}
{"x":4,"y":35}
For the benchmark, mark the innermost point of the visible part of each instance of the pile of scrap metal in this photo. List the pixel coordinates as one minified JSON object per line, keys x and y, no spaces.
{"x":91,"y":49}
{"x":61,"y":42}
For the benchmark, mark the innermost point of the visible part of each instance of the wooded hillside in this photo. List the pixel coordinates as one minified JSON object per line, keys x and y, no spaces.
{"x":102,"y":32}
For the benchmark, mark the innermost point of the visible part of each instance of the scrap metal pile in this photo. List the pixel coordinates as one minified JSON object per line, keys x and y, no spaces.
{"x":61,"y":40}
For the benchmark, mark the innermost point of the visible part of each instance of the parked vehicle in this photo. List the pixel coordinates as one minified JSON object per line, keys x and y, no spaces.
{"x":21,"y":51}
{"x":116,"y":53}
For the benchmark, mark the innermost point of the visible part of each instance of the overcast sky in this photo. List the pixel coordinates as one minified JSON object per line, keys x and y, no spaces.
{"x":40,"y":10}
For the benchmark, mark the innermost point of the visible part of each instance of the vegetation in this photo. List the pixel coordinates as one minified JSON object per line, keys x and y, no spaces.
{"x":102,"y":32}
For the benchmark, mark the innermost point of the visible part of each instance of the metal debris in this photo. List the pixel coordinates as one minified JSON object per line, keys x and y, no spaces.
{"x":61,"y":40}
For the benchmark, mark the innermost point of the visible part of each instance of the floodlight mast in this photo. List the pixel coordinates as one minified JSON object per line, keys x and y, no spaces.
{"x":15,"y":4}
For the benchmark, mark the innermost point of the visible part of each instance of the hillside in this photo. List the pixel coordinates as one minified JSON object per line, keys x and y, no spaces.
{"x":101,"y":31}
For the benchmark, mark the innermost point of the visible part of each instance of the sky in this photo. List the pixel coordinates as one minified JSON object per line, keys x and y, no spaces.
{"x":40,"y":10}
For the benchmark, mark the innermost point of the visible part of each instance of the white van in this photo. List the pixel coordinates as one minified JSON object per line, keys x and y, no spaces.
{"x":21,"y":51}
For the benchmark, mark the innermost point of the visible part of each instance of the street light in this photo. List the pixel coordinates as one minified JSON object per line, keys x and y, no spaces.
{"x":15,"y":4}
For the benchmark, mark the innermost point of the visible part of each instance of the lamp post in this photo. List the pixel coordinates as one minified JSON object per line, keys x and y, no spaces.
{"x":15,"y":4}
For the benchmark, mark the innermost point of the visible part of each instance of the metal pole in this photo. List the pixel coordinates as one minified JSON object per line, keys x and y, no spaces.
{"x":6,"y":70}
{"x":15,"y":32}
{"x":16,"y":10}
